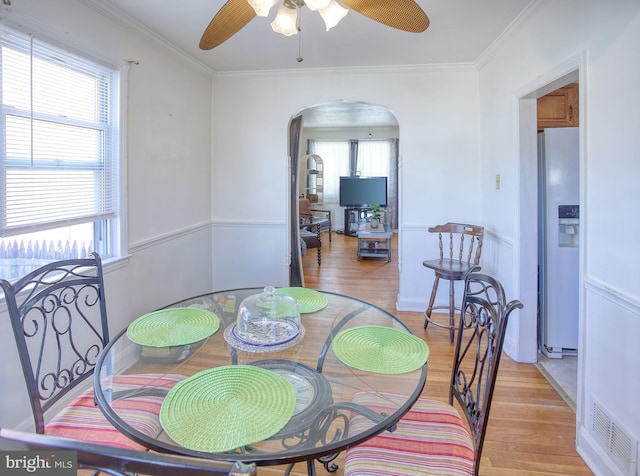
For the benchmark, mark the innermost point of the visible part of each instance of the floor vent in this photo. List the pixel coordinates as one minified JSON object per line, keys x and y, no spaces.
{"x":618,"y":444}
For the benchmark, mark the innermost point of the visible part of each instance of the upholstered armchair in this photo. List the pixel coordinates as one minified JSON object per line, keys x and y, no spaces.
{"x":314,"y":216}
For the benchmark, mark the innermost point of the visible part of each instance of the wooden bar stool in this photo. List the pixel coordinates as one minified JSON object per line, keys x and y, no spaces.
{"x":463,"y":253}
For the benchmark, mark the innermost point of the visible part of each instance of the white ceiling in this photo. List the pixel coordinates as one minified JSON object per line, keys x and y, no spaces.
{"x":459,"y":33}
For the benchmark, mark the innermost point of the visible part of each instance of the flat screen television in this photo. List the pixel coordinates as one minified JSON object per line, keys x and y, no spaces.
{"x":363,"y":191}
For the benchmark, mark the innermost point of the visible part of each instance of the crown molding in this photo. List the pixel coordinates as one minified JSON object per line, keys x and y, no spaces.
{"x":118,"y":16}
{"x":526,"y":16}
{"x":391,"y":69}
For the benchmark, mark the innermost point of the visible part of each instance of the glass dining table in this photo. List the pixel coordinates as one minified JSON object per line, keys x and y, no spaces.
{"x":277,"y":403}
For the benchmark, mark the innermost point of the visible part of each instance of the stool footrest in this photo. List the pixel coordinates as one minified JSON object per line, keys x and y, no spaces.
{"x":440,"y":324}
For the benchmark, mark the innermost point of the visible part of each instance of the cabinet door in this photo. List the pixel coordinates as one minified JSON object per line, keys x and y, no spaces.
{"x":559,"y":108}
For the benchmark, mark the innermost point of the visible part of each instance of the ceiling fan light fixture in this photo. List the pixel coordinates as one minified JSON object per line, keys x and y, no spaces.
{"x":315,"y":5}
{"x":332,"y":14}
{"x":262,"y":7}
{"x":285,"y":21}
{"x":405,"y":15}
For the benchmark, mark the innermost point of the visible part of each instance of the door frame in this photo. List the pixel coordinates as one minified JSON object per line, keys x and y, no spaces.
{"x":526,"y":222}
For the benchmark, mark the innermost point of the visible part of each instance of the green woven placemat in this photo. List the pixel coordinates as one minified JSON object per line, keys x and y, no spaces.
{"x":171,"y":327}
{"x":380,"y":349}
{"x":309,"y":300}
{"x":227,"y":407}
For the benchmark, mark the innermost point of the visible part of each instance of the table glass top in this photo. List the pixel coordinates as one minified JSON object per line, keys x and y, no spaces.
{"x":278,"y":429}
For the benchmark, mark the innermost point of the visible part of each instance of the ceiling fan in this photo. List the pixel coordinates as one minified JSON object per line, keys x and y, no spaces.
{"x":403,"y":15}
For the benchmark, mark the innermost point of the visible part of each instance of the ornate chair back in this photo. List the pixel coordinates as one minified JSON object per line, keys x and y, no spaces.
{"x":58,"y":316}
{"x":434,"y":437}
{"x":483,"y":323}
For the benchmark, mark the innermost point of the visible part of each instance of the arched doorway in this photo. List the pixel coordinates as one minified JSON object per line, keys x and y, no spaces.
{"x":339,"y":120}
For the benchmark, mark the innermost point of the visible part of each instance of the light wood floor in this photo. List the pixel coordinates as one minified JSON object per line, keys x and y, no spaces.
{"x":531,"y":429}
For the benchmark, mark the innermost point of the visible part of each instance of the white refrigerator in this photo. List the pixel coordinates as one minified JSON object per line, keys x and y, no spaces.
{"x":559,"y":240}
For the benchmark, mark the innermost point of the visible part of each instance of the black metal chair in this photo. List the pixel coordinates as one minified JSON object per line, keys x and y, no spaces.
{"x":119,"y":461}
{"x":59,"y":321}
{"x":433,"y":438}
{"x":453,"y":265}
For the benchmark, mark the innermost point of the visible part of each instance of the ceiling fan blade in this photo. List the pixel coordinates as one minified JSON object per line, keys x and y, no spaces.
{"x":401,"y":14}
{"x":231,"y":18}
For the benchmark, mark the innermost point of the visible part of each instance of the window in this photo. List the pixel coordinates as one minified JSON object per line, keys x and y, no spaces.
{"x":374,"y":158}
{"x":59,"y":171}
{"x":368,"y":158}
{"x":335,"y":158}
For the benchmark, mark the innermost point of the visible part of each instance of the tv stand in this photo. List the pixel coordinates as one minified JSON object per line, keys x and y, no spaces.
{"x":354,"y":217}
{"x":374,"y":243}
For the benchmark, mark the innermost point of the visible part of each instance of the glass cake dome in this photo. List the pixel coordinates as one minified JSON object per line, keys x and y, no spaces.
{"x":268,"y":321}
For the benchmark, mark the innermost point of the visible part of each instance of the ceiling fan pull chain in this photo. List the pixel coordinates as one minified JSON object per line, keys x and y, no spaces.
{"x":299,"y":59}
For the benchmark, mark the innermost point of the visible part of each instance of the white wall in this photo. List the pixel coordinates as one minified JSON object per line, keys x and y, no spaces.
{"x":167,"y":192}
{"x":566,"y":35}
{"x":437,"y":112}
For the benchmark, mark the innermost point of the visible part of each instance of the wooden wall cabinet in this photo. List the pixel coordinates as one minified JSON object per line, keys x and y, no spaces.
{"x":559,"y":108}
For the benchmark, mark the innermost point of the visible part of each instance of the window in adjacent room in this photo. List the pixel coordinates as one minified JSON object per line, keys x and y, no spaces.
{"x":59,"y":162}
{"x":335,"y":157}
{"x":367,"y":158}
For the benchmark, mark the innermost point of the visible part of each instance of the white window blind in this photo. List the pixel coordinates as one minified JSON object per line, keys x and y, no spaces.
{"x":58,"y":165}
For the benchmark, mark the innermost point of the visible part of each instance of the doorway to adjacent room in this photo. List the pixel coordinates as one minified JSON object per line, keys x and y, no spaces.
{"x":351,"y":122}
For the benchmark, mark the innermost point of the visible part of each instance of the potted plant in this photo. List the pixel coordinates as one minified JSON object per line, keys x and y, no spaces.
{"x":374,"y":215}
